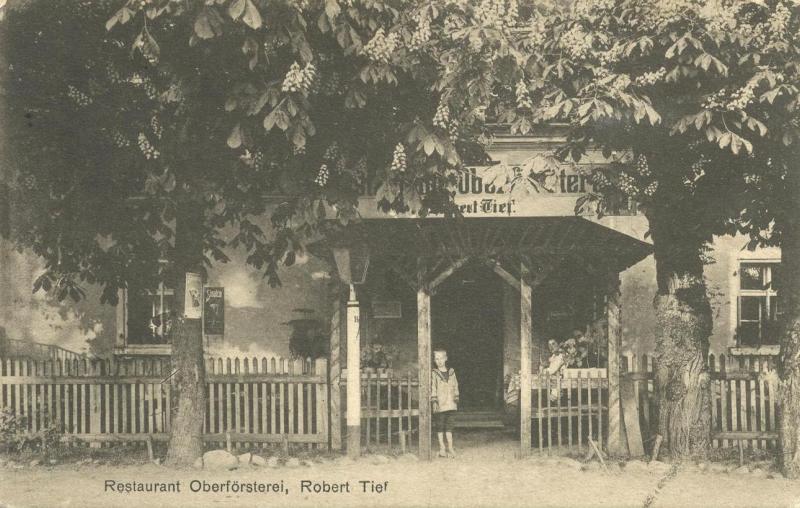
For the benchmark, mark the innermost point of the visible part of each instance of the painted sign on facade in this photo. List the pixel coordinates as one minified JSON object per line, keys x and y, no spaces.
{"x":508,"y":189}
{"x":529,"y":184}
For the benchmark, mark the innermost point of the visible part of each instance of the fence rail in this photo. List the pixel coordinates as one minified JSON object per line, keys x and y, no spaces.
{"x":744,"y":399}
{"x":389,"y":408}
{"x":23,"y":349}
{"x":569,"y":410}
{"x":249,"y":401}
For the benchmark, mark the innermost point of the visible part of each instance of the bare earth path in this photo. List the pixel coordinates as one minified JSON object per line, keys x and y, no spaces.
{"x":486,"y":475}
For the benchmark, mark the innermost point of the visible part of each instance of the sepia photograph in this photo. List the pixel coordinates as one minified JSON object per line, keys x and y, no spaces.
{"x":400,"y":253}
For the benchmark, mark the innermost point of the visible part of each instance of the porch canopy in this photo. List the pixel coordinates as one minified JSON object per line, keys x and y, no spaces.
{"x":523,"y":251}
{"x":438,"y":247}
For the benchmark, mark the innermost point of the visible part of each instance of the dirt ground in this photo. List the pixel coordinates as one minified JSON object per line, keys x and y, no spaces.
{"x":486,"y":473}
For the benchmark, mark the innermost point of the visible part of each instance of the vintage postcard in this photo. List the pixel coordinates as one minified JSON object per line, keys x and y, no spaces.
{"x":471,"y":253}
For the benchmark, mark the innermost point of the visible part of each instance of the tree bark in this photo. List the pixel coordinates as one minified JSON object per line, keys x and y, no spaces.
{"x":789,"y":361}
{"x":186,"y":434}
{"x":683,"y":327}
{"x":189,"y":381}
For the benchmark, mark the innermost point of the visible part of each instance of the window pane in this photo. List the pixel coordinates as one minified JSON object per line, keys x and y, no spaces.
{"x":770,"y":332}
{"x":747,"y":334}
{"x":776,"y":276}
{"x":751,"y":276}
{"x":140,"y":312}
{"x":749,"y":310}
{"x":775,"y":309}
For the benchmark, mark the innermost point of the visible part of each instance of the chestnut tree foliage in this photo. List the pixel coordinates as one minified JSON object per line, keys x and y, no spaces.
{"x":135,"y":120}
{"x":703,"y":95}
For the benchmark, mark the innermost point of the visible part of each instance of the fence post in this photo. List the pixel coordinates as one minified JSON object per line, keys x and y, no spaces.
{"x":616,"y":445}
{"x":323,"y":427}
{"x":525,"y":335}
{"x":95,"y":401}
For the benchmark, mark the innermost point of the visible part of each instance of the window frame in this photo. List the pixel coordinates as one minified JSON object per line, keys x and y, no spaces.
{"x":123,"y":345}
{"x":768,"y":293}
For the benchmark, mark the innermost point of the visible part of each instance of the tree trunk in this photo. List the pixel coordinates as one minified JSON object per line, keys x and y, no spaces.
{"x":683,"y":326}
{"x":789,"y":361}
{"x":189,"y":381}
{"x":186,"y":435}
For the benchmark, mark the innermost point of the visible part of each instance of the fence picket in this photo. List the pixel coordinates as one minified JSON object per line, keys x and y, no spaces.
{"x":580,"y":412}
{"x":569,"y":412}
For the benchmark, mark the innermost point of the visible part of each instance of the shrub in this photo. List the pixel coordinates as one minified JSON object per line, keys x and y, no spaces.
{"x":15,"y":438}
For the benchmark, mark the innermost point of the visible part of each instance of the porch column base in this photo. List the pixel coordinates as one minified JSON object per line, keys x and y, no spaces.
{"x":354,"y":441}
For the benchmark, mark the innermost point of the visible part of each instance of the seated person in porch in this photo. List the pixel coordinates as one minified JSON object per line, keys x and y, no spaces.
{"x":444,"y":396}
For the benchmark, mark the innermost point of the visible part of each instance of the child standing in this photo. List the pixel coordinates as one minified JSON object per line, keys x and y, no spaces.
{"x":444,"y":396}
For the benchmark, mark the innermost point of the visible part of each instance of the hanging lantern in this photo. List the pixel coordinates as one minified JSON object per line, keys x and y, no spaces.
{"x":352,"y":263}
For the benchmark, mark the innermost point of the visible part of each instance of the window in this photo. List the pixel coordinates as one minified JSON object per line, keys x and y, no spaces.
{"x":150,"y":316}
{"x":759,"y":305}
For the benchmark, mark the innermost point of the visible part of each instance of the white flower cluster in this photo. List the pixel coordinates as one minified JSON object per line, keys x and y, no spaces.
{"x":113,"y":74}
{"x":612,"y":55}
{"x":299,"y":80}
{"x":497,"y":13}
{"x":512,"y":13}
{"x":361,"y":167}
{"x":627,"y":184}
{"x":586,"y":8}
{"x":779,"y":20}
{"x":78,"y":97}
{"x":147,"y":149}
{"x":138,"y":5}
{"x":258,"y":160}
{"x":523,"y":96}
{"x":752,"y":179}
{"x":423,"y":32}
{"x":576,"y":42}
{"x":620,"y":83}
{"x":442,"y":120}
{"x":155,"y":125}
{"x":322,"y":176}
{"x":331,"y":85}
{"x":537,"y":34}
{"x":651,"y":188}
{"x":697,"y":172}
{"x":120,"y":140}
{"x":442,"y":117}
{"x":399,"y":162}
{"x":741,"y":98}
{"x":642,"y":166}
{"x":600,"y":180}
{"x":665,"y":12}
{"x":332,"y":153}
{"x":651,"y":78}
{"x":380,"y":48}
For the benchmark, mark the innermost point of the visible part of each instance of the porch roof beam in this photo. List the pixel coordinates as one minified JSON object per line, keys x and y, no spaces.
{"x":446,"y":273}
{"x":499,"y":270}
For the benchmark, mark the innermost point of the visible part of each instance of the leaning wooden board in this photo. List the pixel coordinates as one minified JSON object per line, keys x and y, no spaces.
{"x":630,"y":417}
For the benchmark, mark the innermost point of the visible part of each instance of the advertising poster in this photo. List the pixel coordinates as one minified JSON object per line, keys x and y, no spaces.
{"x":214,"y":310}
{"x":193,"y":308}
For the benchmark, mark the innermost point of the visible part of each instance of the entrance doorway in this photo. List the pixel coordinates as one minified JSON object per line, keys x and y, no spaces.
{"x":467,"y":321}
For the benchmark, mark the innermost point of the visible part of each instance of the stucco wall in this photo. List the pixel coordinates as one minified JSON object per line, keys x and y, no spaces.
{"x":256,"y":314}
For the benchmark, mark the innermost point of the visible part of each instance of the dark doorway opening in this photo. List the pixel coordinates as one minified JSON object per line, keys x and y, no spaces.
{"x":467,"y":321}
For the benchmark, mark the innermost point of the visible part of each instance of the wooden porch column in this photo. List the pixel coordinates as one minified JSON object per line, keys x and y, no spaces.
{"x":616,"y":444}
{"x":424,"y":359}
{"x":526,"y":303}
{"x":335,"y":377}
{"x":353,"y":376}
